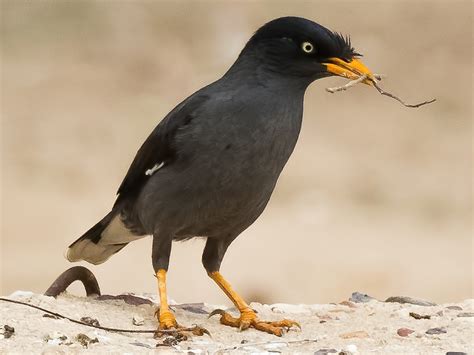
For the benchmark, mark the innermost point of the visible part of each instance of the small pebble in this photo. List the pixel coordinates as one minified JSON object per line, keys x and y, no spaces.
{"x":198,"y":308}
{"x":418,"y":316}
{"x":143,"y":345}
{"x":455,"y":308}
{"x":357,"y":334}
{"x":325,"y":351}
{"x":170,"y":341}
{"x":57,"y":335}
{"x":173,"y":340}
{"x":324,"y":317}
{"x":85,"y":341}
{"x":466,"y":314}
{"x":91,"y":321}
{"x":7,"y":331}
{"x":348,"y":304}
{"x":456,"y":353}
{"x":409,"y":300}
{"x":358,"y":297}
{"x":439,"y":330}
{"x":127,"y":298}
{"x":404,"y":332}
{"x":351,"y":348}
{"x":56,"y":338}
{"x":138,"y":321}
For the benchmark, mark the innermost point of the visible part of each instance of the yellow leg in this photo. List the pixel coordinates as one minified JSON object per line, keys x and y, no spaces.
{"x":166,"y":318}
{"x":247,"y":318}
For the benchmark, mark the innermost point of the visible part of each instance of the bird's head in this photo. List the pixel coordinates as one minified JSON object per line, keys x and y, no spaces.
{"x":297,"y":47}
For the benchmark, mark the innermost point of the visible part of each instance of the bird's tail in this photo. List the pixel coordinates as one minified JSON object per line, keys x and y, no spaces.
{"x":103,"y":240}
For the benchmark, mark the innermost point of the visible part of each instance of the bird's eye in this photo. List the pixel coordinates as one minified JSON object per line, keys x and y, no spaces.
{"x":307,"y":47}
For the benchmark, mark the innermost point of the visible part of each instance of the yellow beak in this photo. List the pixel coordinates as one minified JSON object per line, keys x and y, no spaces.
{"x":352,"y":70}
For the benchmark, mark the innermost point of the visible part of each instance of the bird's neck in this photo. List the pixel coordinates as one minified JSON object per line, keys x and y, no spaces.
{"x":252,"y":69}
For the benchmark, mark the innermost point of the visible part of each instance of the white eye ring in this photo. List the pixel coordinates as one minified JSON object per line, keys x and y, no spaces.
{"x":307,"y":47}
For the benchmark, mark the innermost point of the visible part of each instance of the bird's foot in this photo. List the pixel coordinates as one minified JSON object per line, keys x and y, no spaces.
{"x":166,"y":320}
{"x":248,"y":319}
{"x":168,"y":326}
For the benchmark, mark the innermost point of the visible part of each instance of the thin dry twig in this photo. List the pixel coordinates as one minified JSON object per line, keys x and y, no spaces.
{"x":378,"y":77}
{"x":117,"y":330}
{"x":348,"y":85}
{"x":383,"y":92}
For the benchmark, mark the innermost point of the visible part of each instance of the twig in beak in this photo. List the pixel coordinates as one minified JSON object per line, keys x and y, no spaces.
{"x":377,"y":77}
{"x":383,"y":92}
{"x":348,"y":85}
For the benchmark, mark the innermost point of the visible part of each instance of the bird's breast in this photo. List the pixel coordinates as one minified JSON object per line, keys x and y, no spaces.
{"x":226,"y":169}
{"x":236,"y":168}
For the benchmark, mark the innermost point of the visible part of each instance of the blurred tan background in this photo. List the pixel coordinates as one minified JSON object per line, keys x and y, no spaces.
{"x":376,"y":197}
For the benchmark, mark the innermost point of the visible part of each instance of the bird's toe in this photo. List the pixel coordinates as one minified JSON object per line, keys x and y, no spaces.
{"x":286,"y":323}
{"x":248,"y":319}
{"x":166,"y":320}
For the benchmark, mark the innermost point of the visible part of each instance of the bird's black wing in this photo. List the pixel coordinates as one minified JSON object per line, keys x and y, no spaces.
{"x":159,"y":148}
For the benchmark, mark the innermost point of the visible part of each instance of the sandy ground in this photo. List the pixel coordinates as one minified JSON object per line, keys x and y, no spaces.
{"x":346,"y":328}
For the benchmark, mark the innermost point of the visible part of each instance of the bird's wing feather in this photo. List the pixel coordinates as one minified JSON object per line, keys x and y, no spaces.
{"x":159,"y":148}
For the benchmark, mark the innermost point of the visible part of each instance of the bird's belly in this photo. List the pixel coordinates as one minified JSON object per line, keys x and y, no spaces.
{"x":205,"y":200}
{"x":225,"y":204}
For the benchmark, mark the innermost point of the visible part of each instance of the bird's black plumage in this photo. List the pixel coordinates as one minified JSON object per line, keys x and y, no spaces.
{"x":159,"y":147}
{"x":209,"y":168}
{"x":329,"y":43}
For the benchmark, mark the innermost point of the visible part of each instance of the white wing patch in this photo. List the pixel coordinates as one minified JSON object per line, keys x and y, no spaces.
{"x":151,"y":171}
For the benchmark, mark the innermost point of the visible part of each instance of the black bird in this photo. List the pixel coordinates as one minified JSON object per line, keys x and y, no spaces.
{"x":210,"y":166}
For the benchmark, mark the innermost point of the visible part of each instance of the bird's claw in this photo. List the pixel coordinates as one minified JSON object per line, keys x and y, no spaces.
{"x":248,"y":319}
{"x":216,"y":311}
{"x":199,"y":331}
{"x":169,"y":326}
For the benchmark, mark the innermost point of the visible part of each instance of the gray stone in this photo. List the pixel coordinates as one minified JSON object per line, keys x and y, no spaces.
{"x":325,"y":351}
{"x":439,"y":330}
{"x":137,"y":320}
{"x":7,"y":331}
{"x":358,"y":297}
{"x":455,"y":308}
{"x":198,"y":308}
{"x":466,"y":314}
{"x":409,"y":300}
{"x":143,"y":345}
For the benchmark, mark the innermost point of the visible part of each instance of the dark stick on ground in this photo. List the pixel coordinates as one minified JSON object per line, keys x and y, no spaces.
{"x":76,"y":273}
{"x":118,"y":330}
{"x":80,"y":273}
